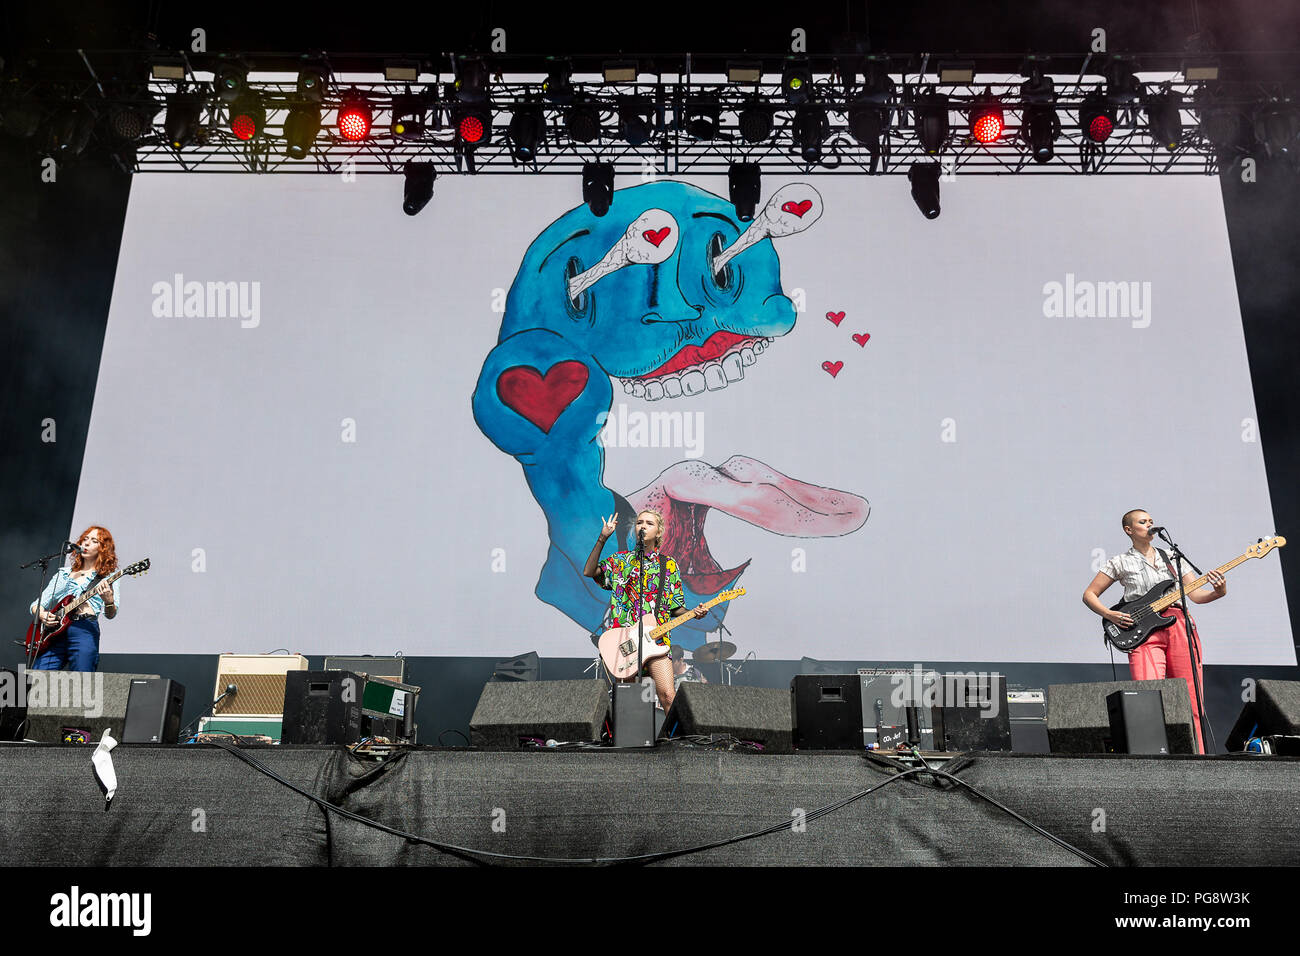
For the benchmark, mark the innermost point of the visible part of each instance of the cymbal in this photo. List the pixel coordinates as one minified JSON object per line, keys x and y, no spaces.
{"x":713,"y":652}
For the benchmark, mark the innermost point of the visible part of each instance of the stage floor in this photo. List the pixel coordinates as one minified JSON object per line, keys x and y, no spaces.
{"x":202,"y":805}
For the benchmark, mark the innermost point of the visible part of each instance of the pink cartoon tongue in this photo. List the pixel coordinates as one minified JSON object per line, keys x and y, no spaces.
{"x":749,"y":490}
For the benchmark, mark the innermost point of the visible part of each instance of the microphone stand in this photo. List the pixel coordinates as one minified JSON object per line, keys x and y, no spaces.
{"x":1189,"y":632}
{"x":230,"y":690}
{"x":43,"y":564}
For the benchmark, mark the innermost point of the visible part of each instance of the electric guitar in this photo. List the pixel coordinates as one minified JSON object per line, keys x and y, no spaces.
{"x":40,"y":635}
{"x":1146,"y":610}
{"x":618,"y":644}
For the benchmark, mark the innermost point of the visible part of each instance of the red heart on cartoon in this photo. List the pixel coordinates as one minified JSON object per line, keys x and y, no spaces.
{"x":862,"y":339}
{"x":836,"y":317}
{"x":832,"y":367}
{"x":541,"y":398}
{"x":798,"y":208}
{"x":654,"y":238}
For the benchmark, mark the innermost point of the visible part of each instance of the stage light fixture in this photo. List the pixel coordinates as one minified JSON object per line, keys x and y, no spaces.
{"x":702,"y":120}
{"x":527,"y":128}
{"x":620,"y":71}
{"x":1277,"y":128}
{"x":247,"y":117}
{"x":1040,"y":129}
{"x":924,"y":178}
{"x":1096,"y":118}
{"x":354,"y":118}
{"x":1122,"y":85}
{"x":957,"y":72}
{"x":598,"y":187}
{"x":417,"y":189}
{"x":401,"y":71}
{"x":744,"y":188}
{"x":747,"y":71}
{"x":755,"y":121}
{"x":181,"y":124}
{"x":930,"y":117}
{"x":300,"y":129}
{"x":132,"y":120}
{"x":810,"y":131}
{"x":472,"y":81}
{"x":167,"y":68}
{"x":311,"y":85}
{"x":558,"y":86}
{"x":987,"y":120}
{"x":473,"y":126}
{"x":868,"y":116}
{"x":634,"y":121}
{"x":69,"y":130}
{"x":796,"y":81}
{"x":409,"y":112}
{"x":583,"y":123}
{"x":1164,"y":119}
{"x":231,"y":81}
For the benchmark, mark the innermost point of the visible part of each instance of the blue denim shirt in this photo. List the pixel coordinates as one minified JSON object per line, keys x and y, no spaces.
{"x":63,"y":585}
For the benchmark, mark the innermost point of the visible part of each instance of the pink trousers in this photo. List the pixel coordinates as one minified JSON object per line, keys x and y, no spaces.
{"x":1165,"y":655}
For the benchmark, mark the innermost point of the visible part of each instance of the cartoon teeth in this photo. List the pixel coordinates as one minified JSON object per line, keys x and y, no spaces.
{"x":650,"y":239}
{"x":792,"y":208}
{"x":713,"y":376}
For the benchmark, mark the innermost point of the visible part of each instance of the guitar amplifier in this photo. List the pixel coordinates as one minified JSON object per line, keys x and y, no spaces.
{"x":389,"y":668}
{"x":260,"y":682}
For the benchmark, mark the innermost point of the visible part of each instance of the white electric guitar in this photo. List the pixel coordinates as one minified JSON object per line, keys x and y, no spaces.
{"x":618,"y":644}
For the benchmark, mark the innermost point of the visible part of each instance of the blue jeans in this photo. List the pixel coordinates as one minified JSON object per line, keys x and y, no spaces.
{"x":76,"y":650}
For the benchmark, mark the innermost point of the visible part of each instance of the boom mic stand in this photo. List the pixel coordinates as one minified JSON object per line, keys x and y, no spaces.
{"x":43,"y":564}
{"x":1189,"y":632}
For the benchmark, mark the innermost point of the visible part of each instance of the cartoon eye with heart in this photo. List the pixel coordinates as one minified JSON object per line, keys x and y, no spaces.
{"x":578,"y":306}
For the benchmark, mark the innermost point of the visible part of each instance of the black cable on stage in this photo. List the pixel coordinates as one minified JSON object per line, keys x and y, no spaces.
{"x":452,"y":730}
{"x":1029,"y":823}
{"x":469,"y":853}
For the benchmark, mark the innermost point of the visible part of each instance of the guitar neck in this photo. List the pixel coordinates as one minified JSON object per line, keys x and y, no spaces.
{"x":663,"y":629}
{"x":87,"y":595}
{"x":1172,"y":596}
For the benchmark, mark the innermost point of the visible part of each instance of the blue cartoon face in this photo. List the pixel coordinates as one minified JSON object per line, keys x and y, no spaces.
{"x":672,"y":294}
{"x":637,"y":318}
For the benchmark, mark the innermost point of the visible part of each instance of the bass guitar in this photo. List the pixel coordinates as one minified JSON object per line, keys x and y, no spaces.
{"x":1147,"y":610}
{"x":618,"y":645}
{"x":40,"y":635}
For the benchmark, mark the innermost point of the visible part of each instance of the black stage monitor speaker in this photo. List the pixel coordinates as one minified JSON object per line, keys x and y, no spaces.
{"x":1137,"y":722}
{"x":1077,"y":722}
{"x":153,"y":711}
{"x":561,"y":710}
{"x":972,"y":713}
{"x":1274,"y":711}
{"x":86,"y":700}
{"x":757,"y":714}
{"x":322,"y":707}
{"x":827,"y":712}
{"x":634,"y":715}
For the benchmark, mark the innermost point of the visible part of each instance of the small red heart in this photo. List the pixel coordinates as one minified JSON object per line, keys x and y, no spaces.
{"x":862,"y":339}
{"x":798,"y":208}
{"x":541,"y":398}
{"x":836,"y":317}
{"x":654,"y":238}
{"x":832,"y":367}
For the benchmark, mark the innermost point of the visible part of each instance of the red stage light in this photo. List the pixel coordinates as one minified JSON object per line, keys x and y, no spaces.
{"x":1100,"y":128}
{"x":354,"y":123}
{"x":987,"y":128}
{"x":470,"y":128}
{"x":244,"y":126}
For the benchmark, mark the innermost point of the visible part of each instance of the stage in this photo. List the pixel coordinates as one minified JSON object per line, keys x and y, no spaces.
{"x":201,"y":805}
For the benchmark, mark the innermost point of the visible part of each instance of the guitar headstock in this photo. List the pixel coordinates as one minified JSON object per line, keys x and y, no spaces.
{"x":730,"y":595}
{"x":1265,"y":545}
{"x":140,"y":567}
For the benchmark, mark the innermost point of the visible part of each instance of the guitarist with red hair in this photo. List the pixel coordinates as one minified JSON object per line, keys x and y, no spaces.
{"x":78,"y":648}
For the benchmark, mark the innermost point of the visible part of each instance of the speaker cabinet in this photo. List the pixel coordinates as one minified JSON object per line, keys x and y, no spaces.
{"x":757,"y":714}
{"x":562,"y":710}
{"x":1137,"y":722}
{"x":153,"y":711}
{"x":322,"y":707}
{"x":826,"y":712}
{"x":1077,"y":722}
{"x":93,"y":701}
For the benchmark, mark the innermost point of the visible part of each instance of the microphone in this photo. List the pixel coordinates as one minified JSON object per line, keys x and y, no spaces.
{"x":69,"y":548}
{"x":1159,"y":530}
